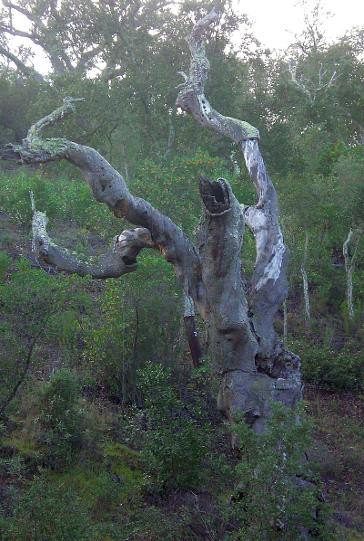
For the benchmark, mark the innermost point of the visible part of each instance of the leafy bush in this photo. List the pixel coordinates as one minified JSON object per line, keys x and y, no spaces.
{"x":62,"y":199}
{"x":273,"y":499}
{"x":175,"y":447}
{"x":342,"y":370}
{"x":62,"y":424}
{"x":37,"y":310}
{"x":137,"y":323}
{"x":40,"y":301}
{"x":5,"y":262}
{"x":47,"y":512}
{"x":155,"y":524}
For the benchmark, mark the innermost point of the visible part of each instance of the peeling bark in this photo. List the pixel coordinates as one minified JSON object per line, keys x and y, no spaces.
{"x":268,"y":284}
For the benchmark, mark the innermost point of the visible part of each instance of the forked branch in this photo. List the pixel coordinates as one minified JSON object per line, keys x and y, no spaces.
{"x":268,"y":286}
{"x":324,"y":81}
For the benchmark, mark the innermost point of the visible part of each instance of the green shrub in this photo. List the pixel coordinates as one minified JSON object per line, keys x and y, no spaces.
{"x":47,"y":512}
{"x":154,"y":524}
{"x":63,"y":428}
{"x":273,"y":499}
{"x":47,"y":306}
{"x":38,"y":310}
{"x":342,"y":370}
{"x":62,"y":199}
{"x":5,"y":262}
{"x":139,"y":321}
{"x":175,"y":448}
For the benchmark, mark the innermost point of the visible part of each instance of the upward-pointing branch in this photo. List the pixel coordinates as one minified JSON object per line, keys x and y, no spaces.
{"x":268,"y":286}
{"x":191,"y":96}
{"x":350,"y":266}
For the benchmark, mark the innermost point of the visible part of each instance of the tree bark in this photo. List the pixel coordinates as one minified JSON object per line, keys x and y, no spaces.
{"x":350,"y":267}
{"x":108,"y":186}
{"x":191,"y":330}
{"x":252,"y":363}
{"x":306,"y":295}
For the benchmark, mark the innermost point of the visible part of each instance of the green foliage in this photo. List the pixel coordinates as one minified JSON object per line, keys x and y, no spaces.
{"x":13,"y":466}
{"x":48,"y":512}
{"x":175,"y":448}
{"x":5,"y":262}
{"x":36,"y":298}
{"x":60,"y":418}
{"x":328,"y":368}
{"x":106,"y":482}
{"x":155,"y":524}
{"x":173,"y":187}
{"x":313,"y":147}
{"x":275,"y":497}
{"x":38,"y":311}
{"x":139,"y":320}
{"x":100,"y":495}
{"x":68,"y":201}
{"x":16,"y":100}
{"x":62,"y":425}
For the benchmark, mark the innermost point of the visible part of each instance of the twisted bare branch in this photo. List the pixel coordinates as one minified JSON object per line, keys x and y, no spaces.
{"x":191,"y":97}
{"x":110,"y":188}
{"x":118,"y":260}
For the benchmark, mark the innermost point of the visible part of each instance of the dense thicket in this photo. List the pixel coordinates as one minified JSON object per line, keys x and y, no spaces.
{"x":123,"y":58}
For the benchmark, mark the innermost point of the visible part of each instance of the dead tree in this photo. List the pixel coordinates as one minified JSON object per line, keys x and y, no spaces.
{"x":249,"y":359}
{"x":306,"y":294}
{"x":353,"y":238}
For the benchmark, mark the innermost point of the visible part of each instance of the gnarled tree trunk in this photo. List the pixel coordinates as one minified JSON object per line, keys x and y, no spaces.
{"x":250,"y":360}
